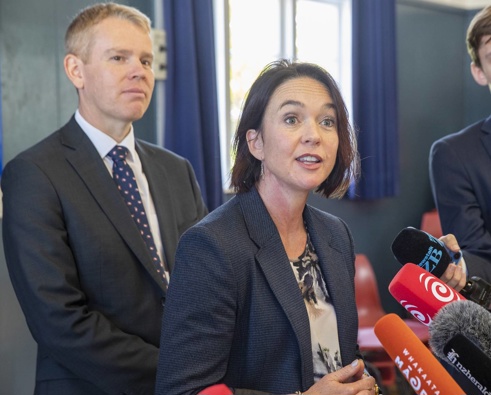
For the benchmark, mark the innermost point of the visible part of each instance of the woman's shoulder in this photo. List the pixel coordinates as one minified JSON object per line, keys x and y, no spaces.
{"x":224,"y":220}
{"x":319,"y":215}
{"x":329,"y":226}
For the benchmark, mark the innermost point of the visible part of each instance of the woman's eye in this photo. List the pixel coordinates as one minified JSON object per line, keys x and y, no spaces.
{"x":291,"y":120}
{"x":117,"y":58}
{"x":328,"y":122}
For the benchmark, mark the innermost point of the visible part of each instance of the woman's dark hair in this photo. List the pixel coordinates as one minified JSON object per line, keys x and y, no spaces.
{"x":247,"y":169}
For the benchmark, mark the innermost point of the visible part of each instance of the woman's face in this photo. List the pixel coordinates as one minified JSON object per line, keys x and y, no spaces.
{"x":298,"y":141}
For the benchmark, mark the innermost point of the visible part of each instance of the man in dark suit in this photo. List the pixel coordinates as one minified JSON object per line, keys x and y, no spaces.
{"x":460,"y":163}
{"x":85,"y":278}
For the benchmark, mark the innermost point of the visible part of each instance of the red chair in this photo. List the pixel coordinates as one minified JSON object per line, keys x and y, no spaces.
{"x":370,"y":310}
{"x":367,"y":296}
{"x":430,"y":223}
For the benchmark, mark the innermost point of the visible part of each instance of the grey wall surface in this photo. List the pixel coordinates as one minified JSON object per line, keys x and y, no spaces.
{"x":436,"y":96}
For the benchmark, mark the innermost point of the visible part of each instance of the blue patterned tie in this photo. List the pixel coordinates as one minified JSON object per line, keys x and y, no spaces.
{"x":126,"y":182}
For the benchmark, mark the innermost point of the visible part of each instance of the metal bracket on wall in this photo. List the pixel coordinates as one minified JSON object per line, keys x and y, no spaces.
{"x":160,"y":54}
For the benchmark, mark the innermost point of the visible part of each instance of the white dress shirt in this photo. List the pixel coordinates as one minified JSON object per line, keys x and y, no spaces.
{"x":104,"y":144}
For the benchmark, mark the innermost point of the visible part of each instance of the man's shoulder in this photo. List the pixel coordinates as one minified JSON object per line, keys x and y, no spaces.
{"x":464,"y":141}
{"x":45,"y":148}
{"x":473,"y":131}
{"x":155,"y":151}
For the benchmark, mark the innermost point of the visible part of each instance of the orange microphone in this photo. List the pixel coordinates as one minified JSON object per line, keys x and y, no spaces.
{"x":414,"y":360}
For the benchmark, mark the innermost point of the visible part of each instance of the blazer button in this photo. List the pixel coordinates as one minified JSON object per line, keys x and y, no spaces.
{"x":162,"y":301}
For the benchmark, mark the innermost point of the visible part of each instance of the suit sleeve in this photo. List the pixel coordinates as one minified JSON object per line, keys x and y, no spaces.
{"x":200,"y":304}
{"x":459,"y":210}
{"x":44,"y":275}
{"x":198,"y":198}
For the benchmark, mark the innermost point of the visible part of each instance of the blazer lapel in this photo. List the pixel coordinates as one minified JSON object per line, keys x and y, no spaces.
{"x":336,"y":276}
{"x":86,"y":161}
{"x":275,"y":265}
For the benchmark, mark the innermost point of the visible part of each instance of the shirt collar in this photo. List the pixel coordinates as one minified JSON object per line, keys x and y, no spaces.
{"x":102,"y":142}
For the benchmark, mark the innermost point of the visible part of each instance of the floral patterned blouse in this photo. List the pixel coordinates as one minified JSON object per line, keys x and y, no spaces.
{"x":322,"y":317}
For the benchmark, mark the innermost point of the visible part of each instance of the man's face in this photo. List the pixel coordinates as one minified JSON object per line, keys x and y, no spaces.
{"x":116,"y":81}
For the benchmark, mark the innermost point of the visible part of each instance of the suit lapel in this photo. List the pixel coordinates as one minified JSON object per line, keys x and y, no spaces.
{"x":275,"y":265}
{"x":85,"y":160}
{"x":486,"y":135}
{"x":156,"y":174}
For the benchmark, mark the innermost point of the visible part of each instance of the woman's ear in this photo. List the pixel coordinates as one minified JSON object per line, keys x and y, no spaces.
{"x":479,"y":75}
{"x":255,"y":143}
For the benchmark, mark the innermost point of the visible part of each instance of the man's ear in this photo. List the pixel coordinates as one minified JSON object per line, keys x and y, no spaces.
{"x":73,"y":69}
{"x":479,"y":75}
{"x":255,"y":143}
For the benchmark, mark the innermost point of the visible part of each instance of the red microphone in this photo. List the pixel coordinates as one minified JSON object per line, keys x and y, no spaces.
{"x":414,"y":360}
{"x":217,"y":389}
{"x":421,"y":293}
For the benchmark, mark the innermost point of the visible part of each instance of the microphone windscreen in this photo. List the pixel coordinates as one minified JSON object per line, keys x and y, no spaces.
{"x":421,"y":248}
{"x":471,"y":366}
{"x":414,"y":360}
{"x":462,"y":317}
{"x":421,"y":293}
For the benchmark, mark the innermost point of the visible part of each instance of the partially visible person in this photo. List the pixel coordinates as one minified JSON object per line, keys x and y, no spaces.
{"x":458,"y":163}
{"x":262,"y":296}
{"x":91,"y":288}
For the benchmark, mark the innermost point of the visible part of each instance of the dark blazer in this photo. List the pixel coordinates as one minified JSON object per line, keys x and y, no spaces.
{"x":80,"y":269}
{"x":460,"y":174}
{"x":234,"y":311}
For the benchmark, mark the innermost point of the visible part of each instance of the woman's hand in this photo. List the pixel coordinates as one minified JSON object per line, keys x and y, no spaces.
{"x":349,"y":380}
{"x":454,"y":276}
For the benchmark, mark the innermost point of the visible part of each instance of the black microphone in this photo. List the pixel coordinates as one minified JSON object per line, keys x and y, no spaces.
{"x":471,"y":366}
{"x":460,"y":334}
{"x":421,"y":248}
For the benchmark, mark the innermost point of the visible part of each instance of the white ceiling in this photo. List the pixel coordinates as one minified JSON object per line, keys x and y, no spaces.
{"x":464,"y":4}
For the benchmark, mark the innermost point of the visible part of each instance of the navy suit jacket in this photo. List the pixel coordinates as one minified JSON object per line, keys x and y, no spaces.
{"x":234,"y":311}
{"x":81,"y":271}
{"x":460,"y":173}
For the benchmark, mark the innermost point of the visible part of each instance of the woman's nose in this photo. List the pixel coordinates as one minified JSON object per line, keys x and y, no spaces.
{"x":312,"y":133}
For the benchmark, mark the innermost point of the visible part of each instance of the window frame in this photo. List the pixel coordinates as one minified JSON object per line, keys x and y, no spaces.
{"x":287,"y":50}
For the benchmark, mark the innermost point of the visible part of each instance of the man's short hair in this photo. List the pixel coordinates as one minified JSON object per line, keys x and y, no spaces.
{"x":479,"y":27}
{"x":78,"y":37}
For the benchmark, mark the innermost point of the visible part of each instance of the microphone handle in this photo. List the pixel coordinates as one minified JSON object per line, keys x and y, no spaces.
{"x":470,"y":365}
{"x":479,"y":291}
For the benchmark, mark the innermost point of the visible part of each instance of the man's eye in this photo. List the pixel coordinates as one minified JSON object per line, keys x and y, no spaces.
{"x":291,"y":120}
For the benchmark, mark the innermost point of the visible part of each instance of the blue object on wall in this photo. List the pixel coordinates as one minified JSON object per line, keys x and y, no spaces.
{"x":375,"y":111}
{"x":191,"y":111}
